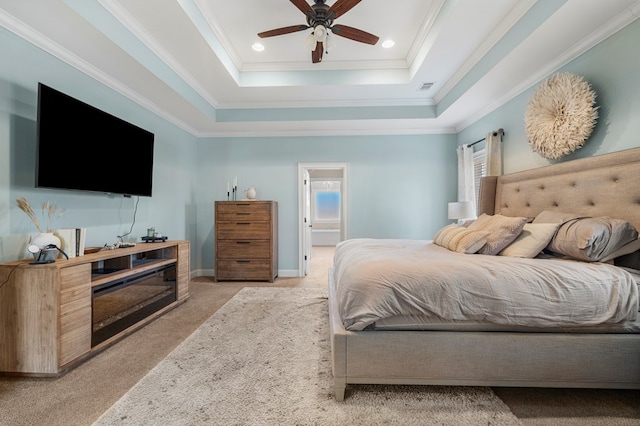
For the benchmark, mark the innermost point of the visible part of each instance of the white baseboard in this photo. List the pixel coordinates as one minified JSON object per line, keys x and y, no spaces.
{"x":282,"y":273}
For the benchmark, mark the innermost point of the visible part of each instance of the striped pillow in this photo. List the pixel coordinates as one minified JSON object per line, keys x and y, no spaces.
{"x":460,"y":239}
{"x":469,"y":241}
{"x":502,"y":231}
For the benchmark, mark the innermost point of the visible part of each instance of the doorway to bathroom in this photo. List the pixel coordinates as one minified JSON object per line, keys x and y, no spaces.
{"x":323,"y":208}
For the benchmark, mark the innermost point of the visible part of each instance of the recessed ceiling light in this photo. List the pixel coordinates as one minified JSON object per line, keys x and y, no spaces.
{"x":257,"y":47}
{"x":388,"y":44}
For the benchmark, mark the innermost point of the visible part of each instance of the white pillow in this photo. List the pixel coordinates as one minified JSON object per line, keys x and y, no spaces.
{"x":531,"y":241}
{"x":550,"y":216}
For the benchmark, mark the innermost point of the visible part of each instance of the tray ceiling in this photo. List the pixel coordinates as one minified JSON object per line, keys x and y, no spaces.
{"x":192,"y":62}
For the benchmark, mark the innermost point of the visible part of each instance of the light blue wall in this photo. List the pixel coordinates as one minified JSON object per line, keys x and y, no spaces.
{"x":398,"y":186}
{"x":613,"y":69}
{"x":171,"y":209}
{"x":408,"y":178}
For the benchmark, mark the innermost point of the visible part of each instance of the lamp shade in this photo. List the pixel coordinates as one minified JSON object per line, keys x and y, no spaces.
{"x":461,"y":210}
{"x":329,"y":43}
{"x":310,"y":42}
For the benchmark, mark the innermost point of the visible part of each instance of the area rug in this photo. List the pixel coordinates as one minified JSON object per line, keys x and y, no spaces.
{"x":264,"y":359}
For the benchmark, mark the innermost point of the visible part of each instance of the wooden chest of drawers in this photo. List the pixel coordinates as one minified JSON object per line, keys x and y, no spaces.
{"x":246,"y":241}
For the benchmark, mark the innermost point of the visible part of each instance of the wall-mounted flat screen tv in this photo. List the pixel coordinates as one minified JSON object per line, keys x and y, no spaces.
{"x":81,"y":147}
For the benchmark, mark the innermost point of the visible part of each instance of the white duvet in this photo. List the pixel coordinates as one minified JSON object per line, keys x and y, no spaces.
{"x":382,"y":278}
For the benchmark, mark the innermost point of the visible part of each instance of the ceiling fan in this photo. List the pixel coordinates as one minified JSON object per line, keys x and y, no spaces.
{"x":320,"y":17}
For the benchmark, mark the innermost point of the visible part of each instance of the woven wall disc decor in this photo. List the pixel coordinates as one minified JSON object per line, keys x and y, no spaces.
{"x":560,"y":115}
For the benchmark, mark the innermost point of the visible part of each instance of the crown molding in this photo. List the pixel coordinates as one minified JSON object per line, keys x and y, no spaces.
{"x":595,"y":38}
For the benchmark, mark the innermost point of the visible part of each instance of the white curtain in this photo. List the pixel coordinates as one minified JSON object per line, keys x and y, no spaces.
{"x":493,"y":149}
{"x":466,"y":180}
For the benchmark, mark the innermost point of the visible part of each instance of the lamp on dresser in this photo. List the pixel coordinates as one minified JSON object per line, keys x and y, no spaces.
{"x":460,"y":211}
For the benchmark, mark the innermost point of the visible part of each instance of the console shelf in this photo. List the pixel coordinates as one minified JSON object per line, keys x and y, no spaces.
{"x":118,"y":273}
{"x":46,"y":311}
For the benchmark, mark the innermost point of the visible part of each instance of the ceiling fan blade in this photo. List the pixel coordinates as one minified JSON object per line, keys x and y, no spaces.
{"x":354,"y":34}
{"x":304,"y":7}
{"x":340,"y":7}
{"x":316,"y":55}
{"x":283,"y":30}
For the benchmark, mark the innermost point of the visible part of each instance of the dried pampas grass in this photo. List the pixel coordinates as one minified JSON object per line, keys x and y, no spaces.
{"x":560,"y":115}
{"x":50,"y":212}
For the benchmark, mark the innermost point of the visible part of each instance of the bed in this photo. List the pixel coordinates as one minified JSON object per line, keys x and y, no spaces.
{"x":488,"y":350}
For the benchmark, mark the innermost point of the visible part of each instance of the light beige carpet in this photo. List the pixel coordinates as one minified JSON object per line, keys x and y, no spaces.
{"x":264,"y":359}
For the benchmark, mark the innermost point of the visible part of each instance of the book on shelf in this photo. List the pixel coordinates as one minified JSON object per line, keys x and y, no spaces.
{"x":72,"y":240}
{"x":67,"y":241}
{"x":81,"y":235}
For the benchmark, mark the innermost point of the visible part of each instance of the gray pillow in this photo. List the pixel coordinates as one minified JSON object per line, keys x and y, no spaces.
{"x":593,"y":238}
{"x":632,"y":247}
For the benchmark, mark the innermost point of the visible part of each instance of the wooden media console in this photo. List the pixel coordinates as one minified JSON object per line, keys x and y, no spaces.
{"x":53,"y":316}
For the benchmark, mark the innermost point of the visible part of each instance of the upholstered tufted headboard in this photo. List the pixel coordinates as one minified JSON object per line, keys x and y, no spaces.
{"x":605,"y":185}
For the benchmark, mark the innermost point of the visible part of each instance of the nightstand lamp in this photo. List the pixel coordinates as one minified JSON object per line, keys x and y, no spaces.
{"x":461,"y":210}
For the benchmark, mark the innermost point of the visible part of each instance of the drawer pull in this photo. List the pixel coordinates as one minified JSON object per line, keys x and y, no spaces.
{"x":243,"y":261}
{"x":243,"y":242}
{"x":243,"y":213}
{"x":243,"y":223}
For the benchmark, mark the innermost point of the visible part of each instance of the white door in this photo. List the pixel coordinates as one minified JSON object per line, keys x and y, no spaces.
{"x":307,"y":222}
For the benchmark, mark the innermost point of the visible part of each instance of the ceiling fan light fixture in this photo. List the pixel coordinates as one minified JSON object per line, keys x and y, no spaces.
{"x":310,"y":42}
{"x":320,"y":32}
{"x":320,"y":17}
{"x":329,"y":43}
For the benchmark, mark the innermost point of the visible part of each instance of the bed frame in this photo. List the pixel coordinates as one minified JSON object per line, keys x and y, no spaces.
{"x":606,"y":185}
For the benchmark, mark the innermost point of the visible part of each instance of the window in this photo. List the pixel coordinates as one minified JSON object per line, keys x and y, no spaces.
{"x":479,"y":170}
{"x":327,"y":206}
{"x":325,"y":201}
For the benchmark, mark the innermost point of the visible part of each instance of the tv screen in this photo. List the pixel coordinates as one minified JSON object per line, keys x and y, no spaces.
{"x":81,"y":147}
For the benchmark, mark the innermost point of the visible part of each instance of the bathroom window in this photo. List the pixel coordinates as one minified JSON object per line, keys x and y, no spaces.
{"x":327,"y":206}
{"x":325,"y":201}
